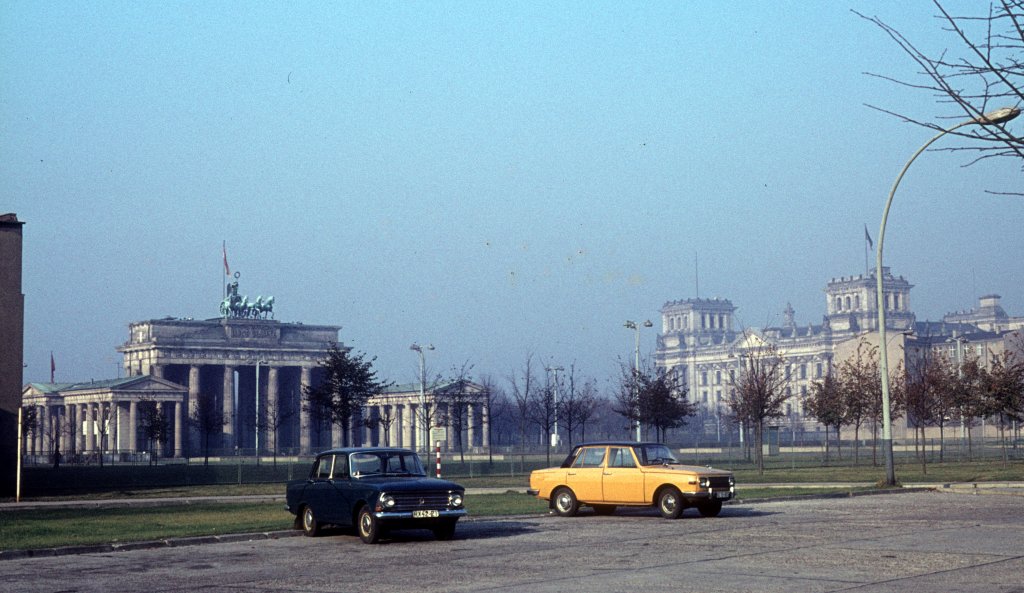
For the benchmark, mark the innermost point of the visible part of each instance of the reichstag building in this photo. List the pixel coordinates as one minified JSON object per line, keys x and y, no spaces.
{"x":701,"y":345}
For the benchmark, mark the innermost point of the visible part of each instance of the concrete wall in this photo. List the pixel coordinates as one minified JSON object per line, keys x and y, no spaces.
{"x":12,"y":334}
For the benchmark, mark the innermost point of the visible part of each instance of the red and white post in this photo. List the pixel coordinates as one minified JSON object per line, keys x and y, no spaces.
{"x":437,"y":449}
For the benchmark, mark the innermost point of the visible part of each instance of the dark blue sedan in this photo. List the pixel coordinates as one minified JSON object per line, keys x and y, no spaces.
{"x":374,"y":490}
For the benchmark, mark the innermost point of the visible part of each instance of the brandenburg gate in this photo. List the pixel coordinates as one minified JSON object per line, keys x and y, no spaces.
{"x":218,"y":361}
{"x":241,"y":380}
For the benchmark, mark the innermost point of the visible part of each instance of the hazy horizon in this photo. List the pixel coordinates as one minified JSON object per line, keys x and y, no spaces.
{"x":497,"y":180}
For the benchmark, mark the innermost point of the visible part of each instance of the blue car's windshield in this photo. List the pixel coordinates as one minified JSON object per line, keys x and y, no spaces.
{"x":391,"y":463}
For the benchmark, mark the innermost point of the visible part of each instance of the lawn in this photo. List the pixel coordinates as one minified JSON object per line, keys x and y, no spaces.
{"x":44,"y":528}
{"x":49,"y":528}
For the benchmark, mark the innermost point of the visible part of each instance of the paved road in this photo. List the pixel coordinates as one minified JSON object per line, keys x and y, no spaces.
{"x":911,"y":542}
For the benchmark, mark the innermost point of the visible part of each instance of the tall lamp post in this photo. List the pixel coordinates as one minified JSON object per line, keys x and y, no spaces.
{"x":554,"y":387}
{"x":424,"y":429}
{"x":257,"y":451}
{"x":995,"y":117}
{"x":636,"y":363}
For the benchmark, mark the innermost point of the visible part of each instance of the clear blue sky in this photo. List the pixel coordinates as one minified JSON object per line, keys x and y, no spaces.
{"x":498,"y":179}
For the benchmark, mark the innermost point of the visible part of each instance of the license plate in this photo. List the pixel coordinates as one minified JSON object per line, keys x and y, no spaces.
{"x":721,"y":495}
{"x":425,"y":514}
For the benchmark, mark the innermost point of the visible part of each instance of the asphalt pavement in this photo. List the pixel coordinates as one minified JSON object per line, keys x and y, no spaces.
{"x":948,"y":539}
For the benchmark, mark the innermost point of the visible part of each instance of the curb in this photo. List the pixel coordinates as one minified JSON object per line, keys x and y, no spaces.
{"x":850,"y":494}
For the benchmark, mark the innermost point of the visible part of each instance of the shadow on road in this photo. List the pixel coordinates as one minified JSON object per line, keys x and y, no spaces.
{"x":468,"y":530}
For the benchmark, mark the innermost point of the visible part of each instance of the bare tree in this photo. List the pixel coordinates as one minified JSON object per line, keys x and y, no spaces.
{"x":276,"y":417}
{"x":495,"y":406}
{"x":827,"y":405}
{"x":208,"y":419}
{"x":154,"y":425}
{"x":1004,"y":392}
{"x":103,"y":429}
{"x":627,"y":396}
{"x":925,"y":383}
{"x":458,"y":395}
{"x":384,"y":420}
{"x":523,"y":384}
{"x":576,"y":404}
{"x":29,"y":424}
{"x":759,"y":392}
{"x":968,"y":396}
{"x":857,"y":377}
{"x":543,"y":412}
{"x":59,"y":427}
{"x":983,"y":70}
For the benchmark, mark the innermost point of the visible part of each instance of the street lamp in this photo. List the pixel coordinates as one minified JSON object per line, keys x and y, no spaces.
{"x":554,"y":386}
{"x":425,"y":431}
{"x":960,"y":341}
{"x":995,"y":117}
{"x":258,"y":363}
{"x":636,"y":365}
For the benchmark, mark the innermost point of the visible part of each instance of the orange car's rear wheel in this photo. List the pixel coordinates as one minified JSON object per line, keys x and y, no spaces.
{"x":565,"y":503}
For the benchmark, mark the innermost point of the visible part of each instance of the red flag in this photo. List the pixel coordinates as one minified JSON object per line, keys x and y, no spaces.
{"x":53,"y":366}
{"x":227,"y":270}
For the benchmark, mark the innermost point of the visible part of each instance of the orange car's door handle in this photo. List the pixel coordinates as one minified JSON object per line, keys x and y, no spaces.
{"x":571,"y":473}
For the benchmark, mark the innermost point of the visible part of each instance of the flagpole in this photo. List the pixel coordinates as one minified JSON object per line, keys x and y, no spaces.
{"x":868,"y":245}
{"x":867,"y":270}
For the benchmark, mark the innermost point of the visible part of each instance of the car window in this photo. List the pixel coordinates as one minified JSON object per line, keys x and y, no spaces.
{"x":590,"y":457}
{"x":655,"y":455}
{"x":340,"y":467}
{"x":404,"y":463}
{"x":386,"y":462}
{"x":323,"y":467}
{"x":365,"y":464}
{"x":620,"y":457}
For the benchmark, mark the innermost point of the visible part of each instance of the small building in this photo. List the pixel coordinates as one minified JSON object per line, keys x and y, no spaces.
{"x":127,"y":416}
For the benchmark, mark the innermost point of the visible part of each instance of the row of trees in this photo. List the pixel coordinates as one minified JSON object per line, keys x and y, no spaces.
{"x":544,"y":401}
{"x":935,"y":391}
{"x":851,"y":395}
{"x":940,"y":391}
{"x":536,"y":404}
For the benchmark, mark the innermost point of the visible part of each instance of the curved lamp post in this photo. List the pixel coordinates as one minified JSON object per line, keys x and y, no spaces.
{"x":995,"y":117}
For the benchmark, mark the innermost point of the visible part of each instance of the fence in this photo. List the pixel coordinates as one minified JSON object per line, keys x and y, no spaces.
{"x":124,"y":472}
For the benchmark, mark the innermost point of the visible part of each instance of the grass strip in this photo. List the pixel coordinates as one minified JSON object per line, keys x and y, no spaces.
{"x":52,"y":528}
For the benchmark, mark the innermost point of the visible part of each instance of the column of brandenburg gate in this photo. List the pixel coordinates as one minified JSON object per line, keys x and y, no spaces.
{"x":212,"y":368}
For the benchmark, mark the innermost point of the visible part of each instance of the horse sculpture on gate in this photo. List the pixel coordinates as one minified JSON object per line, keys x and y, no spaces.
{"x":239,"y":307}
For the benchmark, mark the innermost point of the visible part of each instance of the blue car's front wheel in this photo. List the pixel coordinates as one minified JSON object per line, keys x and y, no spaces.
{"x":368,"y":526}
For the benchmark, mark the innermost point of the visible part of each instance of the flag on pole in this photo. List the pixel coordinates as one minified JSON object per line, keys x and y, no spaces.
{"x":53,"y":366}
{"x":227,"y":270}
{"x":867,"y":237}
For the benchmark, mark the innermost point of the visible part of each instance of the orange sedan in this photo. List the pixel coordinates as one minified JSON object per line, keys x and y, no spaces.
{"x":606,"y":475}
